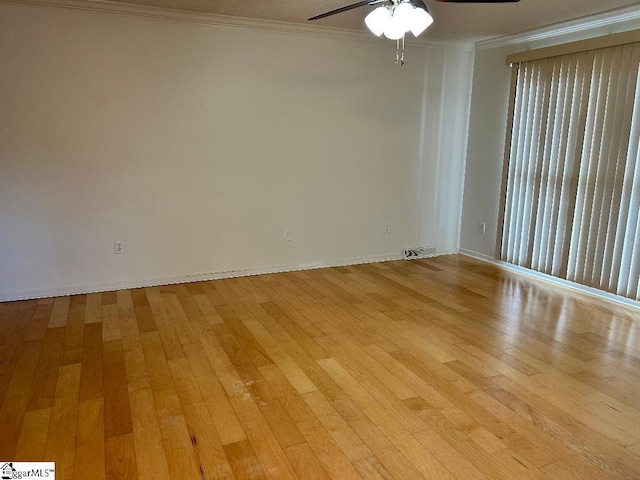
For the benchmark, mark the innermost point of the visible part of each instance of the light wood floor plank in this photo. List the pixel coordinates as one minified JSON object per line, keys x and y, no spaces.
{"x":33,"y":435}
{"x":120,"y":458}
{"x":61,"y":439}
{"x":306,"y":463}
{"x":151,"y":461}
{"x":264,"y":443}
{"x":89,"y":460}
{"x":443,"y":368}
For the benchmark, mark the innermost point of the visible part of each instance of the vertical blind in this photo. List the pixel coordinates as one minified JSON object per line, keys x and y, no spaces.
{"x":572,"y":200}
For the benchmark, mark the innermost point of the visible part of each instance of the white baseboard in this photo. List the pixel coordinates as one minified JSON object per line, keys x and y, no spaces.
{"x":576,"y":287}
{"x":479,"y":256}
{"x":199,"y":277}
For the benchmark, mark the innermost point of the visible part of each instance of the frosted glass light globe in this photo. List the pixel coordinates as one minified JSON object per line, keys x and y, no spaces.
{"x":403,"y":14}
{"x":394,"y":29}
{"x":420,"y":21}
{"x":377,"y":20}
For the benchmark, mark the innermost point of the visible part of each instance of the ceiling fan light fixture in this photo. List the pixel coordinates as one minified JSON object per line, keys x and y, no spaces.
{"x":420,"y":21}
{"x":377,"y":20}
{"x":403,"y":13}
{"x":394,"y":29}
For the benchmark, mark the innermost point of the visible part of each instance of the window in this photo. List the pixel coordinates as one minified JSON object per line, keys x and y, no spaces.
{"x":572,"y":198}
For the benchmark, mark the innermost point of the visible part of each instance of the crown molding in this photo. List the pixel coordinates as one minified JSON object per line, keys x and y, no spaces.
{"x":225,"y":21}
{"x":584,"y":24}
{"x":184,"y":16}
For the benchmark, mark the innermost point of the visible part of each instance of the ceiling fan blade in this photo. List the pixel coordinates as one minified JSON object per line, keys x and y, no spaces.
{"x":344,"y":9}
{"x":477,"y":1}
{"x":420,"y":4}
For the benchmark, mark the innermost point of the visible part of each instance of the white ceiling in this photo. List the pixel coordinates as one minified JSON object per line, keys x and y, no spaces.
{"x":453,"y":21}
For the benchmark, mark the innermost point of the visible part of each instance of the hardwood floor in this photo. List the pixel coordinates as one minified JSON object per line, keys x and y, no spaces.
{"x":445,"y":368}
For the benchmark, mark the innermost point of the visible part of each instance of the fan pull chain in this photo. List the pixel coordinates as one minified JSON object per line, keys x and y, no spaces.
{"x":400,"y":51}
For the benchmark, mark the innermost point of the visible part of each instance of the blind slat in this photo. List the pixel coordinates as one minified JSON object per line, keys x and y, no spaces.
{"x":614,"y":116}
{"x":573,"y":182}
{"x":618,"y":211}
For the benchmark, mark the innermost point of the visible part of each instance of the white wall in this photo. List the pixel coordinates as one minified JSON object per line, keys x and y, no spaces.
{"x":488,"y":119}
{"x":197,"y":145}
{"x":443,"y":143}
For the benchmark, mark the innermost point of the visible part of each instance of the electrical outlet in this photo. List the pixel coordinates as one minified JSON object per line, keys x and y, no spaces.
{"x":117,"y":247}
{"x":483,"y":227}
{"x":386,"y":229}
{"x":287,"y":235}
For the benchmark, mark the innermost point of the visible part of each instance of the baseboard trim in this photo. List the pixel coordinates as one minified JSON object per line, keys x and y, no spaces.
{"x":189,"y":278}
{"x":576,"y":287}
{"x":479,"y":256}
{"x":201,"y":277}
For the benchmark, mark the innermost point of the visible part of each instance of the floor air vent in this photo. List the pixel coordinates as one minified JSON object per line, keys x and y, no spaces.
{"x":418,"y":252}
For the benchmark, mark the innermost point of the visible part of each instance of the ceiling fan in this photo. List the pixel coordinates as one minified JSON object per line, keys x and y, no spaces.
{"x":396,"y":18}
